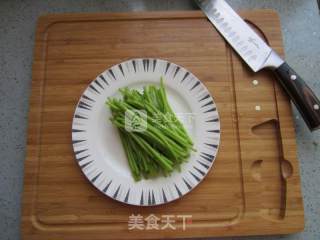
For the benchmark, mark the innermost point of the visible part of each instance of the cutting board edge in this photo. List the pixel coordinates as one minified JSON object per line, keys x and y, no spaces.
{"x":44,"y":23}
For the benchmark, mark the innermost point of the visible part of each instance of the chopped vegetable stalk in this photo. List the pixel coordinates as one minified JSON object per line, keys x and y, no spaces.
{"x":163,"y":143}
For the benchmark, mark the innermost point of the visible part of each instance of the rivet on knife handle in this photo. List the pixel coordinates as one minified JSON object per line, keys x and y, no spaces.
{"x":305,"y":100}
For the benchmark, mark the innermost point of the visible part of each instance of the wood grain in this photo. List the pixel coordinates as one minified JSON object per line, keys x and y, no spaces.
{"x":254,"y":187}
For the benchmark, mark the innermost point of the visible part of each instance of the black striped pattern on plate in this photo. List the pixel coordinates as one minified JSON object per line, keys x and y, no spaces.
{"x":148,"y":194}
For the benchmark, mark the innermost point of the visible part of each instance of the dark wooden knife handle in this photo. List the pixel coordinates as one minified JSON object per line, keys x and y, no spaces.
{"x":305,"y":100}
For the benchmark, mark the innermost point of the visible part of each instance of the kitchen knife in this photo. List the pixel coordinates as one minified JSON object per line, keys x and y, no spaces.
{"x":258,"y":55}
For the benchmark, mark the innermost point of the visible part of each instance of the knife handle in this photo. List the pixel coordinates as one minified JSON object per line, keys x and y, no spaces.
{"x":302,"y":96}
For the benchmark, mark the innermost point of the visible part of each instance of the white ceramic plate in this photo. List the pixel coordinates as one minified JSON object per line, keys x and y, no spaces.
{"x":98,"y":148}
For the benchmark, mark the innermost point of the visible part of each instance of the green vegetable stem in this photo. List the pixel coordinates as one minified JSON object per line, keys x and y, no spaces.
{"x":154,"y":140}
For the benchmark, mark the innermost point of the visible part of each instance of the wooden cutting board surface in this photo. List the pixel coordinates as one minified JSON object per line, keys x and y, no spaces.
{"x":254,"y":187}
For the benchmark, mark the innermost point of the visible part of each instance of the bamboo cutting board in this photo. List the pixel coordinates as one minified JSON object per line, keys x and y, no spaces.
{"x":254,"y":187}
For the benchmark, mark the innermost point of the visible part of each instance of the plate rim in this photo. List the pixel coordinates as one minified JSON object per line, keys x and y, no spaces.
{"x":182,"y":194}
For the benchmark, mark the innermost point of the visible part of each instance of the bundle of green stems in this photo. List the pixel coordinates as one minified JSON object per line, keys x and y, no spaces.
{"x":155,"y":141}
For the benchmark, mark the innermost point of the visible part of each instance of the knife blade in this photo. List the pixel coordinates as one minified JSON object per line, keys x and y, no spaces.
{"x":258,"y":55}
